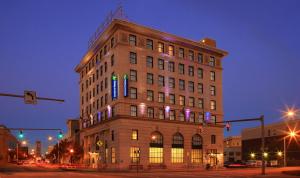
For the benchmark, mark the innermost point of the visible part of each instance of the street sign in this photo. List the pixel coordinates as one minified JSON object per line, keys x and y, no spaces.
{"x":30,"y":97}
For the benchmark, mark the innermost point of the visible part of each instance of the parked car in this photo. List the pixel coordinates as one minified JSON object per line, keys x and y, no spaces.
{"x":236,"y":164}
{"x":252,"y":163}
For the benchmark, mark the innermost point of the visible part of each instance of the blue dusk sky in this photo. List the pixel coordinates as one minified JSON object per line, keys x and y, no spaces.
{"x":41,"y":42}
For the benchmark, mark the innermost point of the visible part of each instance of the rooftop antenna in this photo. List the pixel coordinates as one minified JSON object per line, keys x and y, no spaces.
{"x":117,"y":14}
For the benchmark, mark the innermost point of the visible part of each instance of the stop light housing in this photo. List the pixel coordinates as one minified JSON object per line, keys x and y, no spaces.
{"x":60,"y":135}
{"x":21,"y":135}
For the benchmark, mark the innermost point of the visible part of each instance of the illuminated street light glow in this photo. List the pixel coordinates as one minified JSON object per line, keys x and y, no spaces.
{"x":71,"y":151}
{"x":24,"y":142}
{"x":279,"y":153}
{"x":265,"y":154}
{"x":50,"y":138}
{"x":292,"y":133}
{"x":252,"y":155}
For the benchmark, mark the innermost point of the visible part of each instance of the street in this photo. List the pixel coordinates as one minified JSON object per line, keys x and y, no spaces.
{"x":24,"y":172}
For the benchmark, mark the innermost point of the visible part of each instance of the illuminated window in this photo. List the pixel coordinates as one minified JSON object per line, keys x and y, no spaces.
{"x":149,"y":62}
{"x":212,"y":61}
{"x":156,"y":148}
{"x":113,"y":155}
{"x":177,"y":148}
{"x":149,"y":44}
{"x":200,"y":58}
{"x":134,"y":135}
{"x":150,"y":112}
{"x":181,"y":68}
{"x":171,"y":67}
{"x":200,"y":88}
{"x":191,"y":55}
{"x":160,"y":47}
{"x":172,"y":98}
{"x":171,"y":50}
{"x":96,"y":143}
{"x":177,"y":155}
{"x":171,"y":82}
{"x":133,"y":110}
{"x":212,"y":90}
{"x":200,"y":73}
{"x":133,"y":75}
{"x":196,"y":156}
{"x":161,"y":64}
{"x":132,"y":40}
{"x":181,"y":53}
{"x":181,"y":84}
{"x":181,"y":100}
{"x":135,"y":154}
{"x":191,"y":86}
{"x":213,"y":105}
{"x":212,"y":76}
{"x":155,"y":155}
{"x":161,"y":80}
{"x":149,"y":78}
{"x":150,"y":95}
{"x":191,"y":71}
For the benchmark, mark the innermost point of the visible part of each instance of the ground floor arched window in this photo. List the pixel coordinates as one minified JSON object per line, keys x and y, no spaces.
{"x":156,"y":148}
{"x":177,"y":148}
{"x":197,"y":152}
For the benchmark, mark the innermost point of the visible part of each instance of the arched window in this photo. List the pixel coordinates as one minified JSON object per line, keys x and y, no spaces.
{"x":177,"y":140}
{"x":196,"y":154}
{"x":96,"y":143}
{"x":156,"y":148}
{"x":196,"y":142}
{"x":156,"y":139}
{"x":177,"y":148}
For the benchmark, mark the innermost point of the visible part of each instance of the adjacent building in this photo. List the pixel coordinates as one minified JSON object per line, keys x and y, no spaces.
{"x":144,"y":95}
{"x":278,"y":135}
{"x":8,"y":145}
{"x":232,"y":149}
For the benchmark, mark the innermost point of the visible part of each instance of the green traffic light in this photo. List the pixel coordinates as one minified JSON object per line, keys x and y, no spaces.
{"x":60,"y":135}
{"x":21,"y":135}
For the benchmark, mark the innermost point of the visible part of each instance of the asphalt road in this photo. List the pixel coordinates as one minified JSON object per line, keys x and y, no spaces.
{"x":36,"y":172}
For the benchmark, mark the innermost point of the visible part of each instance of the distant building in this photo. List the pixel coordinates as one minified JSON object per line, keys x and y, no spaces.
{"x":144,"y":95}
{"x":73,"y":131}
{"x":8,"y":145}
{"x":232,"y":148}
{"x":275,"y":135}
{"x":38,"y":148}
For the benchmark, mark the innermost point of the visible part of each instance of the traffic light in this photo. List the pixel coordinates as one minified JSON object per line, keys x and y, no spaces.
{"x":21,"y":135}
{"x":60,"y":135}
{"x":227,"y":126}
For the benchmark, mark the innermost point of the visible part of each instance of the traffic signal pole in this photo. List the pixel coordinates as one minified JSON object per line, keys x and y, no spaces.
{"x":38,"y":98}
{"x":262,"y":121}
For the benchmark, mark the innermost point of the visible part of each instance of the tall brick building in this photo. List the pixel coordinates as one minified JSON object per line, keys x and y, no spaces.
{"x":144,"y":95}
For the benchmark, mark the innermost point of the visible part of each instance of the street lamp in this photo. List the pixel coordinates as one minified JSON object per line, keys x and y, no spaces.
{"x":252,"y":155}
{"x":50,"y":138}
{"x":291,"y":134}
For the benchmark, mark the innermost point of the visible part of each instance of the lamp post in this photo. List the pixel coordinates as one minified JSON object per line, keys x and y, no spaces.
{"x":50,"y":138}
{"x":292,"y":134}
